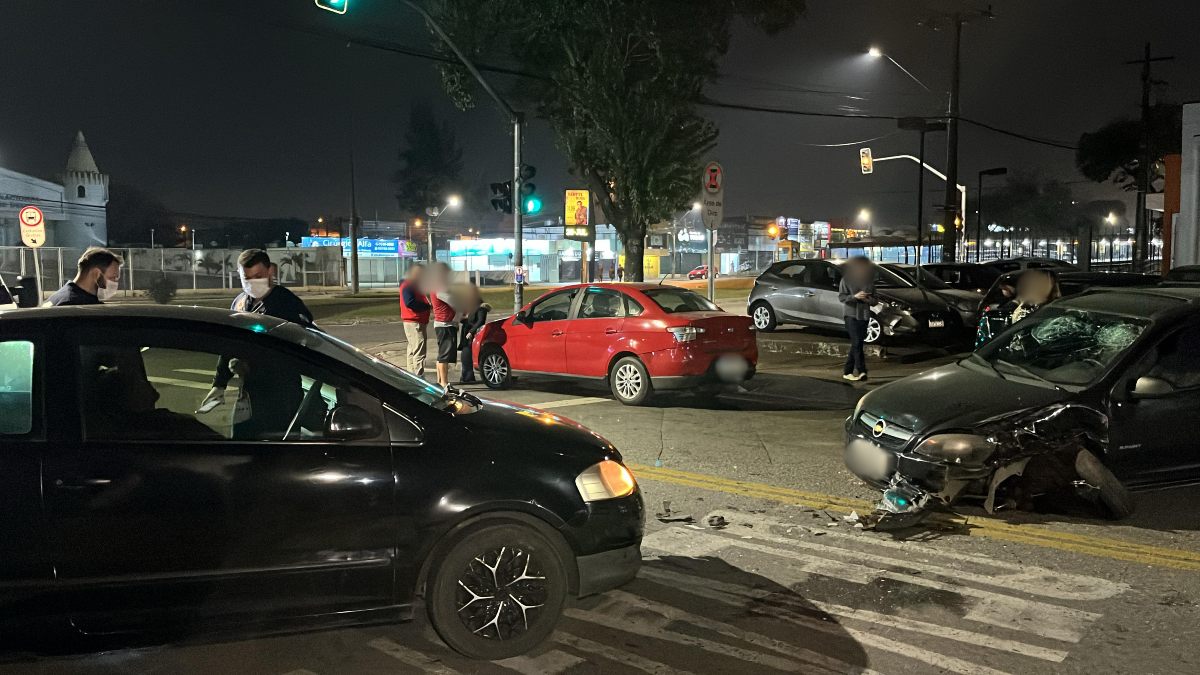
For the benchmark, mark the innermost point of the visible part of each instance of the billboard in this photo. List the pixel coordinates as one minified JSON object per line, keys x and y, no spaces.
{"x":577,"y":224}
{"x":367,"y":248}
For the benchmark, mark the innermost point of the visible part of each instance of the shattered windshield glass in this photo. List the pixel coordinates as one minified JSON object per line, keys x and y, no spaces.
{"x":1063,"y":345}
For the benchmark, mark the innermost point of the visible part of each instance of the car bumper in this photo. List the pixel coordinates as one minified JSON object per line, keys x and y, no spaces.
{"x":917,"y":326}
{"x":686,"y":366}
{"x":605,"y":571}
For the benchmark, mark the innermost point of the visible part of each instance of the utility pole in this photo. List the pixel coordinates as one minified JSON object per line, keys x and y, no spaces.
{"x":353,"y":226}
{"x":1141,"y":244}
{"x":949,"y":229}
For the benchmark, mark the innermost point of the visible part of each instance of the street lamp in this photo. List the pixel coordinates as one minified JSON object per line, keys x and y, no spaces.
{"x":877,"y":53}
{"x":452,"y":202}
{"x":998,"y":171}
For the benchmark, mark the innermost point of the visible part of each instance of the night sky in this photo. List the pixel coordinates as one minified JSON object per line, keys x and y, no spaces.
{"x":239,"y":109}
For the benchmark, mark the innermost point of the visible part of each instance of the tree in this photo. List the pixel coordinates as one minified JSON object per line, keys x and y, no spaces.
{"x":132,"y":213}
{"x":430,"y":163}
{"x":1029,"y":205}
{"x":1112,"y":152}
{"x":619,"y":82}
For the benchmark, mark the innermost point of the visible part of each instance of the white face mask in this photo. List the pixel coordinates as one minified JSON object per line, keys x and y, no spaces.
{"x":107,"y":288}
{"x":256,"y":288}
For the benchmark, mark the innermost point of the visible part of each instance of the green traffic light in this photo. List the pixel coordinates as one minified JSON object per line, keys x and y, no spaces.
{"x":533,"y":205}
{"x":335,"y":6}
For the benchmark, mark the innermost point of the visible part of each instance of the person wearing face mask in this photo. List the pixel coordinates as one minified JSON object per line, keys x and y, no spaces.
{"x":96,"y":281}
{"x":266,"y":392}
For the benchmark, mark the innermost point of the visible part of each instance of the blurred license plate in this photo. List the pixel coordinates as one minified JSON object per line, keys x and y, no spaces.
{"x":937,"y":323}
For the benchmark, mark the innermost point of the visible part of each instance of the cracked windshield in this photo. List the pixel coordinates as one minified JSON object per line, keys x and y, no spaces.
{"x":602,"y":336}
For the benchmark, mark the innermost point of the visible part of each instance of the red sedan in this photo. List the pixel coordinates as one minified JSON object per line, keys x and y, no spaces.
{"x":637,"y":337}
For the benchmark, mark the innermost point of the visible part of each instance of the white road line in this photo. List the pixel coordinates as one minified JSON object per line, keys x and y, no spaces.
{"x":554,"y":661}
{"x":1054,"y":621}
{"x":568,"y":402}
{"x":628,"y":613}
{"x":718,"y":590}
{"x":412,"y":657}
{"x":613,"y":654}
{"x":301,"y":671}
{"x":1028,"y":578}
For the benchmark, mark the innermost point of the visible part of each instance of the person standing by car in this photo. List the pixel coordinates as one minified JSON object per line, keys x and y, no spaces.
{"x":471,"y":326}
{"x":1034,"y":289}
{"x":96,"y":279}
{"x":446,"y":317}
{"x":414,"y":314}
{"x":268,"y":397}
{"x":856,"y":293}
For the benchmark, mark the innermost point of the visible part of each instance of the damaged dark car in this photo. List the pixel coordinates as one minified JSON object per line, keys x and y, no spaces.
{"x":1090,"y":397}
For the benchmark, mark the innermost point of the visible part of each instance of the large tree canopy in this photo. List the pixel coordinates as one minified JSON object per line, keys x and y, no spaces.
{"x":430,"y":163}
{"x":619,"y":82}
{"x":1112,"y":152}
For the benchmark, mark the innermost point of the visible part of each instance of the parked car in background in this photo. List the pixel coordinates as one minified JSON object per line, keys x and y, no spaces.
{"x":357,"y":489}
{"x":636,"y":338}
{"x":700,"y":272}
{"x":964,"y":276}
{"x":1084,"y":397}
{"x":1184,"y":275}
{"x":997,"y":302}
{"x":805,"y":292}
{"x":967,"y":303}
{"x":1024,"y":263}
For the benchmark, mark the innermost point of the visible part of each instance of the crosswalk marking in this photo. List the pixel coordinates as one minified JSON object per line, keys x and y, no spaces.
{"x":568,"y":402}
{"x":1057,"y":621}
{"x":612,"y":654}
{"x":554,"y":661}
{"x":412,"y":657}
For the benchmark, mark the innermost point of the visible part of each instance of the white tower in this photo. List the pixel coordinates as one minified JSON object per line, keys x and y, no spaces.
{"x":85,"y":192}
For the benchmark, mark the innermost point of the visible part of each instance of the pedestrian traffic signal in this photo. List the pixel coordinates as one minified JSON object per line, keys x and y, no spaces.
{"x":335,"y":6}
{"x":502,"y":197}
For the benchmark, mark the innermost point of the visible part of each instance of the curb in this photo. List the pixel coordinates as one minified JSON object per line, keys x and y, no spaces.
{"x":813,"y":347}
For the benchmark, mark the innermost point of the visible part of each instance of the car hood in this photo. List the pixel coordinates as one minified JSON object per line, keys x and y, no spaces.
{"x":511,"y":425}
{"x":954,"y":295}
{"x":955,"y":396}
{"x":919,"y":299}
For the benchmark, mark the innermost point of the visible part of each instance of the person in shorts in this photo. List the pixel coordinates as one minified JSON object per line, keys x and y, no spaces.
{"x":446,"y":317}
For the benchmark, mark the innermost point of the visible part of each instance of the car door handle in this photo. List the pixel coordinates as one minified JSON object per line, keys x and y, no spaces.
{"x":610,"y":331}
{"x":81,"y":485}
{"x":556,"y":333}
{"x":806,"y":294}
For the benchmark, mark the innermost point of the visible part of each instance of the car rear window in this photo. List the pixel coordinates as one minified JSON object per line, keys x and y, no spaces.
{"x":676,"y":300}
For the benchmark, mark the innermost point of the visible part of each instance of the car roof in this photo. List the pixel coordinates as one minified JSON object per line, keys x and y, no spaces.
{"x":222,"y":317}
{"x":1150,"y":302}
{"x":619,"y":285}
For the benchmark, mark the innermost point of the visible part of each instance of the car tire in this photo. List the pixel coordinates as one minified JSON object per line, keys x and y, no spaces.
{"x":1112,"y":494}
{"x":494,"y":560}
{"x":629,"y":381}
{"x":763,"y":317}
{"x":495,"y":369}
{"x":874,"y":331}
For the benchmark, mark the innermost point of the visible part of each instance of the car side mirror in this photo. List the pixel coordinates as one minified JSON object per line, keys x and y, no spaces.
{"x":1151,"y":387}
{"x":523,"y":317}
{"x":351,"y":423}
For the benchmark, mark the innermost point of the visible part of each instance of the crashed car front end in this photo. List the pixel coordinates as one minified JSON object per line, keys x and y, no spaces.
{"x":917,"y":473}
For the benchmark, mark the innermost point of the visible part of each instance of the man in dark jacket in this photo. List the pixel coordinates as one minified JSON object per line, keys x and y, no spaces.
{"x":470,"y":328}
{"x":269,"y":395}
{"x":96,"y":279}
{"x":856,"y":292}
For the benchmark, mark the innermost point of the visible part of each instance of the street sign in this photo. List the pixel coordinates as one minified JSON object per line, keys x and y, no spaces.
{"x":866,"y":161}
{"x":33,"y":226}
{"x":713,"y":196}
{"x":577,"y":215}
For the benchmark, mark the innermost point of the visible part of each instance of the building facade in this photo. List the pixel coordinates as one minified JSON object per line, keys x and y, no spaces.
{"x":1186,"y":249}
{"x":74,"y":208}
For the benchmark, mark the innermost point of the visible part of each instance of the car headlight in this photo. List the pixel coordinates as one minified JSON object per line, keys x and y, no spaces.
{"x":957,"y":448}
{"x":606,"y":480}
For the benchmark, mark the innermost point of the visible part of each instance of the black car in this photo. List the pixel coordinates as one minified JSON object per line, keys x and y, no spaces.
{"x":966,"y":303}
{"x":806,"y":292}
{"x":964,"y":276}
{"x":1029,"y":263}
{"x":341,"y":493}
{"x":1184,"y":275}
{"x":1090,"y":392}
{"x":997,"y":302}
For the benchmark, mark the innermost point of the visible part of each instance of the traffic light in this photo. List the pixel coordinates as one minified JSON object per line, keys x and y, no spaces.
{"x":502,"y":197}
{"x":773,"y":231}
{"x":335,"y":6}
{"x":530,"y":201}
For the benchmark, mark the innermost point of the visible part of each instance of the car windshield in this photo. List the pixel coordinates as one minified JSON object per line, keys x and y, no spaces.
{"x":928,"y":279}
{"x":1062,"y":345}
{"x":419,"y":389}
{"x":675,"y":300}
{"x":886,"y":278}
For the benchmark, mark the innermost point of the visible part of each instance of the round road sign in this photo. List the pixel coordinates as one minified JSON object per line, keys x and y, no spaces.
{"x":33,"y":226}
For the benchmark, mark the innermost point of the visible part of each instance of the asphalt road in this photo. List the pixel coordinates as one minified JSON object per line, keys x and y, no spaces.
{"x":788,"y":584}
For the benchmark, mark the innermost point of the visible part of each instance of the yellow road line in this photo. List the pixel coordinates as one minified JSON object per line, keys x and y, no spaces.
{"x":1033,"y":535}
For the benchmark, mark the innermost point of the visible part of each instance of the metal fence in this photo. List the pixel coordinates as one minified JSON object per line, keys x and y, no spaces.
{"x":188,"y":269}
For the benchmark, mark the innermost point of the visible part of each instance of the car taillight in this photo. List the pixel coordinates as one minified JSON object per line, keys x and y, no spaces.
{"x":685,"y":333}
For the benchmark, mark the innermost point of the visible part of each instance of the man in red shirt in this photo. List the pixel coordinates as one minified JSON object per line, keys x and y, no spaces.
{"x":414,"y":314}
